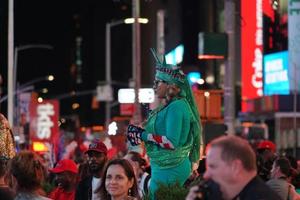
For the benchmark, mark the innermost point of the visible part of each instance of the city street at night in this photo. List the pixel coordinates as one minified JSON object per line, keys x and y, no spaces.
{"x":194,"y":99}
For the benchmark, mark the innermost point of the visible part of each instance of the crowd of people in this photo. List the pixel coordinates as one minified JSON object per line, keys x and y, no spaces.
{"x":25,"y":176}
{"x":232,"y":172}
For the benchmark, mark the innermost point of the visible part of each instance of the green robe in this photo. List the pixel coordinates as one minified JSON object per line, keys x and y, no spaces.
{"x":169,"y":165}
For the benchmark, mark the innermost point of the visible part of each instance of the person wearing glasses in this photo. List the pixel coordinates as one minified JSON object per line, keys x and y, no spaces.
{"x":172,"y":131}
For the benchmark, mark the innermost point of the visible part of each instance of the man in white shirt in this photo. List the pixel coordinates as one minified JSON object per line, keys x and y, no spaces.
{"x":97,"y":158}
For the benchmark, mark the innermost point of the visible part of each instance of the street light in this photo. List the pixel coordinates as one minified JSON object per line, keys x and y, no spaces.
{"x":28,"y":86}
{"x":14,"y":78}
{"x":36,"y":80}
{"x":132,"y":20}
{"x":22,"y":48}
{"x":108,"y":80}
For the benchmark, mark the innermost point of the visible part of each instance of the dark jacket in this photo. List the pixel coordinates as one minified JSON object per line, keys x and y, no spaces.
{"x":84,"y":189}
{"x":256,"y":189}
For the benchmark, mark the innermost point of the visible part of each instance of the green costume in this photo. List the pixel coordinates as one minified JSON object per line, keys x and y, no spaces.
{"x":172,"y":132}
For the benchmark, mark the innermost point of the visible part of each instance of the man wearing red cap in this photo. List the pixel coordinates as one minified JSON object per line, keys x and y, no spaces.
{"x":66,"y":177}
{"x":97,"y":158}
{"x":265,"y":158}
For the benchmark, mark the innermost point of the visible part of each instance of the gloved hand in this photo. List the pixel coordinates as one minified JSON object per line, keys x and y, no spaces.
{"x":134,"y":134}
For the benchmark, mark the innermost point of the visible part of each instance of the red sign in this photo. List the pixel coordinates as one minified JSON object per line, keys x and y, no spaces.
{"x":126,"y":109}
{"x":252,"y":50}
{"x":44,"y":121}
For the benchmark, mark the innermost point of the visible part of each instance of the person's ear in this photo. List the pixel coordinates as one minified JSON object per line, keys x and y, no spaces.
{"x":236,"y":167}
{"x":131,"y":181}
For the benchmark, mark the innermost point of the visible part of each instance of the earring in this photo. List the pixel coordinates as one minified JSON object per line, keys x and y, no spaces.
{"x":129,"y":192}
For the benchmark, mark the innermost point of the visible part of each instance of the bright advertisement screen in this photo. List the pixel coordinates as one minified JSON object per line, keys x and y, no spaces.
{"x":276,"y":79}
{"x":251,"y":50}
{"x":175,"y":56}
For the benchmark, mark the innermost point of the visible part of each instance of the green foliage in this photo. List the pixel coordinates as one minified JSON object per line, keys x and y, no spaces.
{"x":169,"y":192}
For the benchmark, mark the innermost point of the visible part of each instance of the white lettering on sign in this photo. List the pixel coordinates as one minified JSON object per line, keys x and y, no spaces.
{"x":275,"y":72}
{"x":259,"y":23}
{"x":274,"y":65}
{"x":258,"y":75}
{"x":274,"y":77}
{"x":44,"y":123}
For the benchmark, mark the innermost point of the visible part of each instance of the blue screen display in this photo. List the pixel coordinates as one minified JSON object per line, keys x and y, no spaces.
{"x":275,"y":72}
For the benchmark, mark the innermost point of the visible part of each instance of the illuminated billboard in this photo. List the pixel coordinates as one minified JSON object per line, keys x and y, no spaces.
{"x":251,"y":50}
{"x":276,"y":79}
{"x":175,"y":56}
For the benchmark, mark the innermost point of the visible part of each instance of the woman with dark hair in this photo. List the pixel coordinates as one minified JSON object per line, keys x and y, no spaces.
{"x":118,"y":181}
{"x":280,"y":172}
{"x":139,"y":165}
{"x":29,"y":172}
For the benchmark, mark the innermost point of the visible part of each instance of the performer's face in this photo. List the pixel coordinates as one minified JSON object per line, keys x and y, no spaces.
{"x":160,"y":88}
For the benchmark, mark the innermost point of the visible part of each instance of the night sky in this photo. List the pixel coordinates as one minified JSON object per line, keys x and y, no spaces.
{"x":57,"y":23}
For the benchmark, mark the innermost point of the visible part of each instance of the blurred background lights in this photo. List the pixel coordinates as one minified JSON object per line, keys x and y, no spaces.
{"x":210,"y":79}
{"x":40,"y":99}
{"x":193,"y":77}
{"x":50,"y":78}
{"x":200,"y":81}
{"x":75,"y":106}
{"x":112,"y":128}
{"x":44,"y":90}
{"x":206,"y":94}
{"x":175,"y":56}
{"x":39,"y":147}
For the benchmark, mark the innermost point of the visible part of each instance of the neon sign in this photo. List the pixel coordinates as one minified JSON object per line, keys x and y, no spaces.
{"x":44,"y":120}
{"x":252,"y":50}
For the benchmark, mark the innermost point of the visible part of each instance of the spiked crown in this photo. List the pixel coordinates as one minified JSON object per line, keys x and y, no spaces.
{"x":167,"y":72}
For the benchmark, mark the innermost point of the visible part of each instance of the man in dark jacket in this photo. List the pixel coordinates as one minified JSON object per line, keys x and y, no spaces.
{"x":97,"y":158}
{"x":231,"y":163}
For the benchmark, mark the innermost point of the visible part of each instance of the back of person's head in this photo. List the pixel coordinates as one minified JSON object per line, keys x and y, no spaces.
{"x":233,"y":147}
{"x":28,"y":170}
{"x":137,"y":157}
{"x":129,"y":172}
{"x":293,"y":161}
{"x":284,"y":165}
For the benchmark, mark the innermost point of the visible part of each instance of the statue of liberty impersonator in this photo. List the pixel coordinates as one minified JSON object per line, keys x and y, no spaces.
{"x":172,"y":131}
